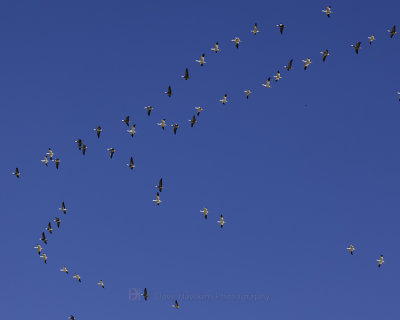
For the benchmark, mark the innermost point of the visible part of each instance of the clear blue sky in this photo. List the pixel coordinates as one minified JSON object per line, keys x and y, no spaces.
{"x":299,"y":171}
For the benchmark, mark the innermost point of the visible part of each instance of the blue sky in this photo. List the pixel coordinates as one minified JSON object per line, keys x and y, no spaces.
{"x":299,"y":171}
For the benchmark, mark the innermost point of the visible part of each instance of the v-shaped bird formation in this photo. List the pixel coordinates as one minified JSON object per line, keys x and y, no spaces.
{"x":193,"y":121}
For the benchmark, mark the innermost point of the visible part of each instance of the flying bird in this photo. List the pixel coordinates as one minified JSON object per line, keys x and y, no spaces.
{"x":193,"y":121}
{"x":50,"y":154}
{"x":112,"y":151}
{"x":145,"y":295}
{"x":101,"y":284}
{"x":169,"y":91}
{"x":64,"y":269}
{"x":148,"y":108}
{"x":79,"y":142}
{"x":44,"y":257}
{"x":57,"y":162}
{"x":201,"y":61}
{"x":247,"y":92}
{"x":281,"y":27}
{"x":157,"y":200}
{"x":162,"y":124}
{"x":351,"y":249}
{"x":267,"y":83}
{"x":224,"y":100}
{"x":45,"y":161}
{"x":205,"y":213}
{"x":126,"y":120}
{"x":160,"y":185}
{"x":371,"y":39}
{"x":43,"y":238}
{"x":49,"y":228}
{"x":132,"y":130}
{"x":236,"y":41}
{"x":98,"y":130}
{"x":392,"y":32}
{"x":221,"y":221}
{"x":398,"y":92}
{"x":72,"y":317}
{"x":176,"y":305}
{"x":63,"y":208}
{"x":176,"y":126}
{"x":77,"y":277}
{"x":306,"y":63}
{"x":357,"y":46}
{"x":16,"y":172}
{"x":131,"y":165}
{"x":84,"y":148}
{"x":199,"y":109}
{"x":278,"y":76}
{"x":216,"y":48}
{"x":289,"y":66}
{"x":57,"y":221}
{"x":186,"y":75}
{"x":328,"y":11}
{"x":255,"y":29}
{"x":380,"y":261}
{"x":39,"y":248}
{"x":325,"y":54}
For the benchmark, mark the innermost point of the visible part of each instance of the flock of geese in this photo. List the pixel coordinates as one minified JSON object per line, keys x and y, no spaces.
{"x":50,"y":156}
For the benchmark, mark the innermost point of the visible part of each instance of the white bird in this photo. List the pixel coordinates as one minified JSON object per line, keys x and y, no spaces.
{"x":157,"y":200}
{"x":77,"y":277}
{"x":205,"y":212}
{"x":236,"y":41}
{"x":224,"y":100}
{"x":39,"y":248}
{"x":351,"y":249}
{"x":278,"y":76}
{"x":201,"y":61}
{"x":221,"y":221}
{"x":64,"y":269}
{"x":380,"y":261}
{"x":50,"y":154}
{"x":371,"y":39}
{"x":255,"y":29}
{"x":162,"y":124}
{"x":45,"y":161}
{"x":216,"y":48}
{"x":132,"y":130}
{"x":198,"y":109}
{"x":247,"y":92}
{"x":267,"y":83}
{"x":44,"y":257}
{"x":306,"y":63}
{"x":328,"y":11}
